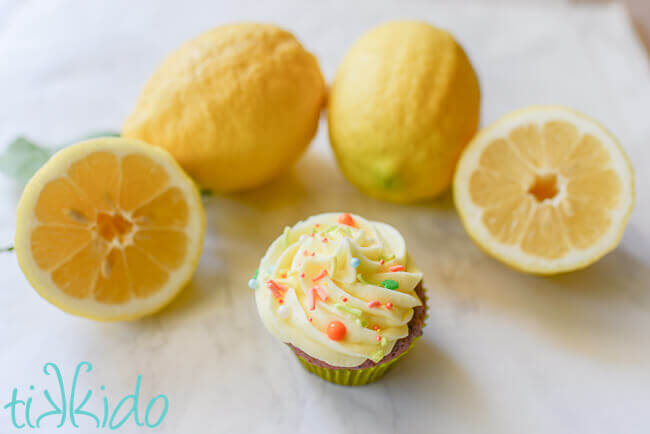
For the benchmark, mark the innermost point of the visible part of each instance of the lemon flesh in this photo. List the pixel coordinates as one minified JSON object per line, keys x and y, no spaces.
{"x":404,"y":103}
{"x":545,"y":190}
{"x":235,"y":107}
{"x":110,"y":229}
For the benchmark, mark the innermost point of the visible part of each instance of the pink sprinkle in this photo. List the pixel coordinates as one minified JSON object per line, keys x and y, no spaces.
{"x":305,"y":253}
{"x":311,"y":299}
{"x":320,"y":275}
{"x":389,"y":305}
{"x":374,"y":303}
{"x":396,"y":268}
{"x":317,"y":225}
{"x":378,"y":338}
{"x":277,"y":290}
{"x":381,"y":262}
{"x":344,"y":299}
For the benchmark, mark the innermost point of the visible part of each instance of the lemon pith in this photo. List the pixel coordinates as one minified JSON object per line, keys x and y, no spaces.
{"x":544,"y":189}
{"x":109,"y":229}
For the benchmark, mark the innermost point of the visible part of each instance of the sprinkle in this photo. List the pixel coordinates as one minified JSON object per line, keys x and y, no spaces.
{"x":330,"y":229}
{"x":317,"y":225}
{"x":324,"y":240}
{"x":361,"y":322}
{"x":395,"y":268}
{"x":374,"y":303}
{"x":348,"y":309}
{"x":252,"y":284}
{"x":362,"y":280}
{"x":302,"y":275}
{"x":336,"y":330}
{"x":313,"y":253}
{"x":277,"y":289}
{"x":355,"y":262}
{"x":320,"y":275}
{"x":389,"y":305}
{"x":309,"y":319}
{"x":322,"y":294}
{"x":375,"y":327}
{"x":390,"y":284}
{"x":284,"y":312}
{"x":384,"y":341}
{"x":378,"y":338}
{"x":305,"y":253}
{"x":344,"y":299}
{"x":284,"y":275}
{"x":381,"y":262}
{"x":346,"y":219}
{"x":257,"y":270}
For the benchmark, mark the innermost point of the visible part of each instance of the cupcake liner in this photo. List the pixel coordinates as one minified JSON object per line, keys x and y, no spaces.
{"x":354,"y":377}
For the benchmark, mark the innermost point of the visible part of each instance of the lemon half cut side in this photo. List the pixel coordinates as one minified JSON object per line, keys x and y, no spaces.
{"x":110,"y":229}
{"x":545,"y":189}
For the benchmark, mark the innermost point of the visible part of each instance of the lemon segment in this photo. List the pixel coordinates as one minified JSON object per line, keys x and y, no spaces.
{"x":110,"y":229}
{"x":545,"y":190}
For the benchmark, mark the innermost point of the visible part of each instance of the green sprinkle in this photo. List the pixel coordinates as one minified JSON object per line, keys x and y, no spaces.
{"x":287,"y":229}
{"x":362,"y":280}
{"x":390,"y":284}
{"x":330,"y":229}
{"x":348,"y":309}
{"x":257,"y":271}
{"x":206,"y":192}
{"x":383,"y":341}
{"x":361,"y":322}
{"x":7,"y":249}
{"x":377,"y":356}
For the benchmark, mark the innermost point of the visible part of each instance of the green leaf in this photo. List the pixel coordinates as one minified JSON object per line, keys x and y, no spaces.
{"x":22,"y":159}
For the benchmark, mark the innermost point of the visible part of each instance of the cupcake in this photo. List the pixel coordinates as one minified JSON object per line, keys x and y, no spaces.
{"x":343,"y":294}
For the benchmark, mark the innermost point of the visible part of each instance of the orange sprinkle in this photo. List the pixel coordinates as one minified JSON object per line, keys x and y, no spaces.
{"x":375,"y":327}
{"x":381,"y":262}
{"x":277,"y":289}
{"x":374,"y":303}
{"x":302,"y":274}
{"x":309,"y":318}
{"x":346,"y":219}
{"x":313,"y":253}
{"x":284,"y":275}
{"x":320,"y":275}
{"x":389,"y":305}
{"x":344,"y":299}
{"x":336,"y":330}
{"x":378,"y":338}
{"x":395,"y":268}
{"x":324,"y":239}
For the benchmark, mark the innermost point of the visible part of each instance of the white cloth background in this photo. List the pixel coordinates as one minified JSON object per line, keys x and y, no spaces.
{"x":503,"y":352}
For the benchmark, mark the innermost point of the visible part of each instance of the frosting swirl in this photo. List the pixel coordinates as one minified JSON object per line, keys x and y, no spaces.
{"x":337,"y":268}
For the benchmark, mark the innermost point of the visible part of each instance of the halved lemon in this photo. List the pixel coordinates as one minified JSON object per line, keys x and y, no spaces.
{"x":110,"y":229}
{"x":545,"y":189}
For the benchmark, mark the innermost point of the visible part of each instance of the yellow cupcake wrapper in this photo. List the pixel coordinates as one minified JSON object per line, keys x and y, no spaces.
{"x":358,"y":377}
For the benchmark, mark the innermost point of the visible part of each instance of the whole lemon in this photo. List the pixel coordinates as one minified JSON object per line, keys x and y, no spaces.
{"x":236,"y":106}
{"x":404,"y":103}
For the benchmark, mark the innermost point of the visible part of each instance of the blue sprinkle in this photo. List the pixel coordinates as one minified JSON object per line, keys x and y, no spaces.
{"x":252,"y":284}
{"x":355,"y":262}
